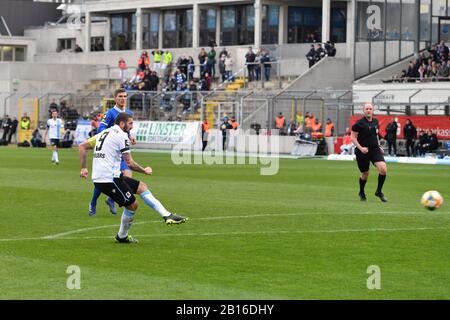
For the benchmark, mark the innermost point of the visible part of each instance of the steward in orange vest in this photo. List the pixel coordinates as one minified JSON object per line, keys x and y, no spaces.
{"x":329,"y":128}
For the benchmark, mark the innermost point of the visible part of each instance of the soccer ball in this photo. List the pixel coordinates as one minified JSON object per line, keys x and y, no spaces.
{"x":432,"y":200}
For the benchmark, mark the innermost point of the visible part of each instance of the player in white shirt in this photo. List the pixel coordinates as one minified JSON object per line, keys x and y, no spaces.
{"x":54,"y":125}
{"x":109,"y":147}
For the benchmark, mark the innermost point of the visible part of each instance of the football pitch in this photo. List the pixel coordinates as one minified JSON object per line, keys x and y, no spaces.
{"x":299,"y":234}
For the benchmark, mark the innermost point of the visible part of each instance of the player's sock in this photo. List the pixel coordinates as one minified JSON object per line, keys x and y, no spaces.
{"x":381,"y":180}
{"x":53,"y":156}
{"x":125,"y":225}
{"x":154,"y":203}
{"x":56,"y":156}
{"x":95,"y":196}
{"x":362,"y":184}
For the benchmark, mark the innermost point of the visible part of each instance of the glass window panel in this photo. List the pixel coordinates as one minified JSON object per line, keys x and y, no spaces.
{"x":228,"y":17}
{"x":211,"y":19}
{"x":392,"y":20}
{"x":7,"y":53}
{"x":189,"y":19}
{"x":294,"y":16}
{"x":409,"y":22}
{"x":154,"y":22}
{"x":20,"y":54}
{"x":170,"y":20}
{"x":425,"y":20}
{"x":273,"y":16}
{"x":250,"y":16}
{"x":338,"y":25}
{"x":439,"y":7}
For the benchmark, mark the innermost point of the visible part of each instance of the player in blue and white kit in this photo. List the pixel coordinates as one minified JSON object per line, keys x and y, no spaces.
{"x":120,"y":97}
{"x":54,"y":125}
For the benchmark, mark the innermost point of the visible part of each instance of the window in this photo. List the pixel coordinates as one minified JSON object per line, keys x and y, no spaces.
{"x":177,"y":28}
{"x":338,"y":23}
{"x":97,"y":44}
{"x":66,"y":44}
{"x":150,"y":32}
{"x":425,"y":20}
{"x":270,"y":22}
{"x":123,"y":31}
{"x":19,"y":54}
{"x":238,"y":25}
{"x":207,"y":26}
{"x":304,"y":24}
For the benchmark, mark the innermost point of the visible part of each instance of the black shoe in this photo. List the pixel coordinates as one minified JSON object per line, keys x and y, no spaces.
{"x":174,"y":219}
{"x":362,"y":196}
{"x":128,"y":239}
{"x":381,"y":196}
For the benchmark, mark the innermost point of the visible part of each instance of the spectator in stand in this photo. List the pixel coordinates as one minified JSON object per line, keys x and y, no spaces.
{"x":257,"y":65}
{"x":443,"y":71}
{"x":190,"y":68}
{"x":13,"y":130}
{"x":311,"y":56}
{"x":222,"y":56}
{"x":412,"y":73}
{"x":280,"y":124}
{"x":265,"y":61}
{"x":205,"y":132}
{"x":224,"y":127}
{"x":153,"y":81}
{"x":422,"y":145}
{"x":310,"y":38}
{"x":234,"y":123}
{"x":207,"y":80}
{"x":122,"y":68}
{"x":443,"y":51}
{"x":180,"y":78}
{"x":410,"y":134}
{"x":36,"y":139}
{"x":250,"y":57}
{"x":229,"y":68}
{"x":6,"y":125}
{"x":330,"y":49}
{"x":166,"y":66}
{"x":25,"y":122}
{"x":255,"y":126}
{"x":320,"y":53}
{"x":316,"y":126}
{"x":78,"y":49}
{"x":146,"y":80}
{"x":391,"y":136}
{"x":299,"y":119}
{"x":157,"y":56}
{"x":422,"y":73}
{"x":201,"y":59}
{"x":433,"y":141}
{"x":347,"y":145}
{"x":143,"y":61}
{"x":212,"y":61}
{"x":291,"y":128}
{"x":329,"y":128}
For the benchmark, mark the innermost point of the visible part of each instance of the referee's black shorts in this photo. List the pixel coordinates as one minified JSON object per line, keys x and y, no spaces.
{"x":374,"y":155}
{"x":121,"y":190}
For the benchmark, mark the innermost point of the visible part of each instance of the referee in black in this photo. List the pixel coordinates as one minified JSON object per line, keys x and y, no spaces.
{"x":365,"y":137}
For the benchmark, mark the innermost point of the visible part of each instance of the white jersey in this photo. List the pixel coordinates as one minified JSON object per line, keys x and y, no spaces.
{"x":54,"y":128}
{"x":109,"y":146}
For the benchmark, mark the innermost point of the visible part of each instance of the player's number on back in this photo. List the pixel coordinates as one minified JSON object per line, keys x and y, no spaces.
{"x":101,"y":140}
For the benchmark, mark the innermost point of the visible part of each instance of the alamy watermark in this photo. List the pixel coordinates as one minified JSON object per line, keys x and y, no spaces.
{"x":74,"y":280}
{"x":374,"y":280}
{"x":240,"y":150}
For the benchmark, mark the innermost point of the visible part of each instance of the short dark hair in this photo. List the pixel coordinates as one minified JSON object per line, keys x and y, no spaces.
{"x":121,"y":90}
{"x":122,"y":117}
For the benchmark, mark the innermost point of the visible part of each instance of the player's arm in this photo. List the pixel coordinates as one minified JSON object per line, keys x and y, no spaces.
{"x":133,"y":165}
{"x":105,"y":123}
{"x":45,"y":133}
{"x":354,"y":138}
{"x":83,"y":147}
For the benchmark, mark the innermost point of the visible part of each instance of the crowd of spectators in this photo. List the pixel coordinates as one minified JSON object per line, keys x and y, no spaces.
{"x":430,"y":65}
{"x":317,"y":52}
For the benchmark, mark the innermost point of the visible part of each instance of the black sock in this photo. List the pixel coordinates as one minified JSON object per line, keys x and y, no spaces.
{"x":381,"y":180}
{"x":362,"y":184}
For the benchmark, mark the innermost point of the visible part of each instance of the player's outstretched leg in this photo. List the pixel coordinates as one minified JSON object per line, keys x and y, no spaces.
{"x":125,"y":225}
{"x":93,"y":204}
{"x":154,"y":203}
{"x":382,"y":170}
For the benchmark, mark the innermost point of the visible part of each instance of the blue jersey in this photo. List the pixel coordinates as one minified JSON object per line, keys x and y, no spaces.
{"x":110,"y":118}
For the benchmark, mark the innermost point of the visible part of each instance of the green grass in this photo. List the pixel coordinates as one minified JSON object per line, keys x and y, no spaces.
{"x":300,"y":234}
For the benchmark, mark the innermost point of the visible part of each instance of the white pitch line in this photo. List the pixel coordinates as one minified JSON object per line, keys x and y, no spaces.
{"x":63,"y":234}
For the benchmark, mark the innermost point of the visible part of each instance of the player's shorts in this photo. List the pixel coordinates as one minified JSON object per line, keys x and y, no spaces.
{"x":54,"y":142}
{"x":121,"y":190}
{"x":374,"y":155}
{"x":123,"y":165}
